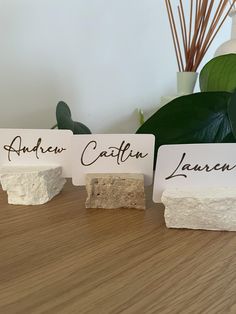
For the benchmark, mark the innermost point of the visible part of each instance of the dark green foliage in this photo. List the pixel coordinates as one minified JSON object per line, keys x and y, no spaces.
{"x":65,"y":122}
{"x":219,"y":74}
{"x":197,"y":118}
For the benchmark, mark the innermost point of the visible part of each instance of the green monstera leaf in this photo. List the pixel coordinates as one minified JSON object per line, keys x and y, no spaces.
{"x":196,"y":118}
{"x":219,"y":74}
{"x":64,"y":120}
{"x":232,"y":113}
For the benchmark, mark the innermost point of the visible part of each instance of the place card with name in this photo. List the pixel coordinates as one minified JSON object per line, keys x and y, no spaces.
{"x":26,"y":147}
{"x":112,"y":153}
{"x":194,"y":166}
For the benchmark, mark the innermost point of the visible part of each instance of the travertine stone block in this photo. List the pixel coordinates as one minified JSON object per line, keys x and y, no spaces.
{"x":115,"y":191}
{"x":31,"y":185}
{"x":209,"y":209}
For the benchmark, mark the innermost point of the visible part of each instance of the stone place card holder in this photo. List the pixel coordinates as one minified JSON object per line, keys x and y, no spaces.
{"x":197,"y":185}
{"x":115,"y":190}
{"x":34,"y":164}
{"x":114,"y":168}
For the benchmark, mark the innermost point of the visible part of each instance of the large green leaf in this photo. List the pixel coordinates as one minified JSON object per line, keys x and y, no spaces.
{"x":219,"y":74}
{"x":232,"y":113}
{"x":196,"y":118}
{"x":65,"y":122}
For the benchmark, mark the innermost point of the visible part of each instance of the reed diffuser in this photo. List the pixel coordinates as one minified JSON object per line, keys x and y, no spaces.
{"x":193,"y":36}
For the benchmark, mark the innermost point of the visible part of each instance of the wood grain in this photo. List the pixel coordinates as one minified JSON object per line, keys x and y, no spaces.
{"x":60,"y":258}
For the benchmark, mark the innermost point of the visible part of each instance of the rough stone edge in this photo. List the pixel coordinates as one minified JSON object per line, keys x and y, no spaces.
{"x":191,"y":194}
{"x":40,"y":169}
{"x":118,"y":175}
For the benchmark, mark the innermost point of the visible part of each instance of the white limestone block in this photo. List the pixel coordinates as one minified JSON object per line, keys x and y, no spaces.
{"x":31,"y":185}
{"x":115,"y":190}
{"x":209,"y":209}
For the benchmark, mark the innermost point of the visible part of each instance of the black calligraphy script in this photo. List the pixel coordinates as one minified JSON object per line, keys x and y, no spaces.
{"x":187,"y":167}
{"x":16,"y":147}
{"x":121,"y":153}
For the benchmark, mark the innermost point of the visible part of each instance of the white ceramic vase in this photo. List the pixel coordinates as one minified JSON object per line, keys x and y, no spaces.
{"x":185,"y":85}
{"x":186,"y":82}
{"x":230,"y":45}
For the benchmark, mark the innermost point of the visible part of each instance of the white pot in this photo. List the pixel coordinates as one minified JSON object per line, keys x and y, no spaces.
{"x":230,"y":45}
{"x":186,"y":82}
{"x":185,"y":85}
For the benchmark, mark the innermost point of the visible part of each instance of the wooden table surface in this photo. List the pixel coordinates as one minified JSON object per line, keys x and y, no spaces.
{"x":61,"y":258}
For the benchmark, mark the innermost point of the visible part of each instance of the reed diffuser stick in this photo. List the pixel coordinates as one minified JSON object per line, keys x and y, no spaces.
{"x":192,"y":37}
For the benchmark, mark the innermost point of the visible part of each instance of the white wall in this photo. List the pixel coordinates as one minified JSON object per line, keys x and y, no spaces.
{"x":104,"y":58}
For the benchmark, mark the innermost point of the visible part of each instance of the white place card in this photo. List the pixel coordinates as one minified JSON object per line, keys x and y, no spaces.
{"x":32,"y":147}
{"x":194,"y":166}
{"x":112,"y":153}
